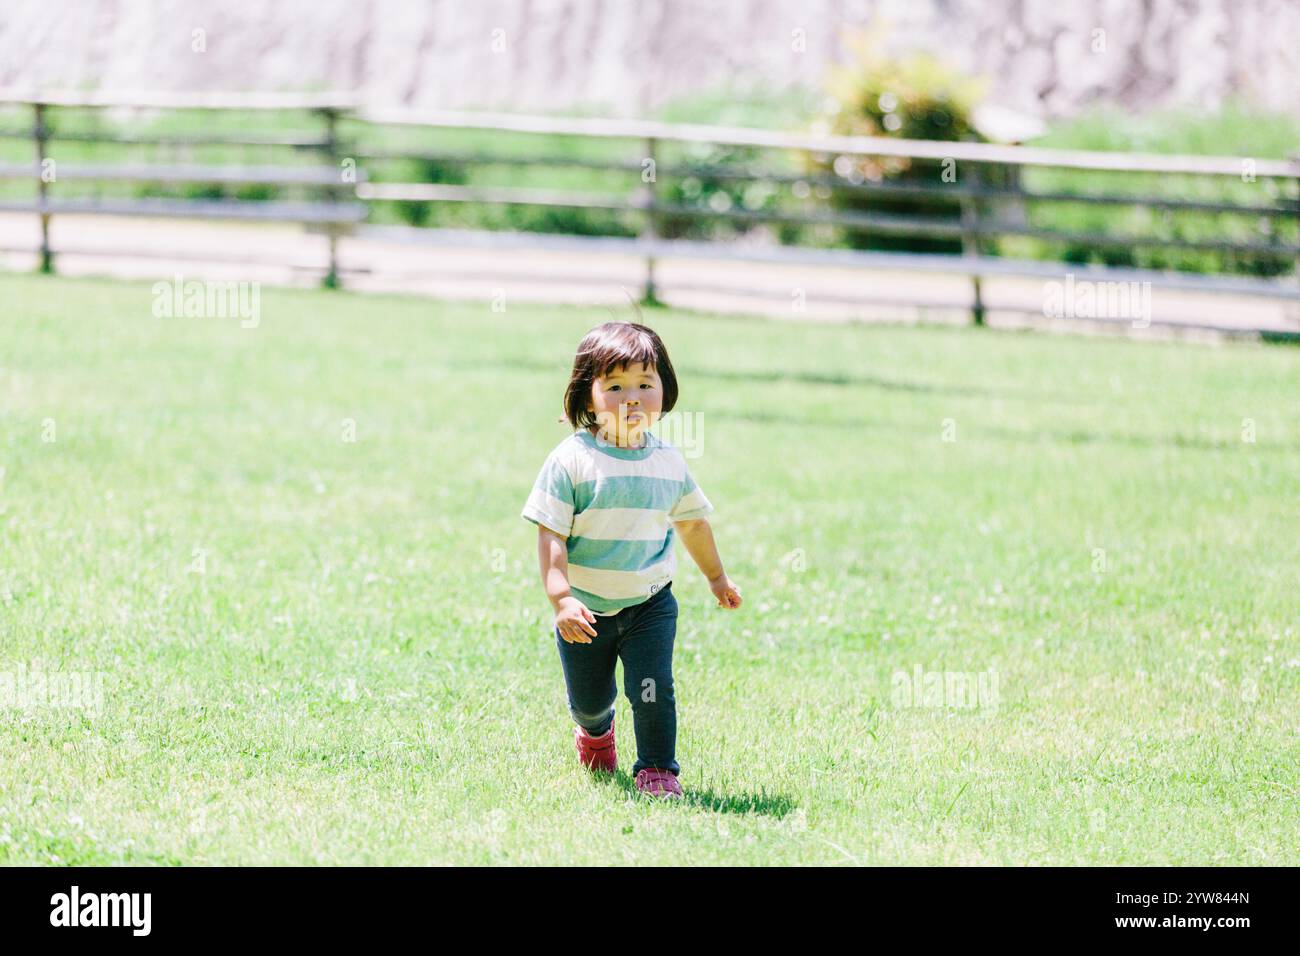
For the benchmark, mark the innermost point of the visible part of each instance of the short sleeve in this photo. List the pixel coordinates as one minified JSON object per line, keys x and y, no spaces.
{"x":551,"y":501}
{"x":692,"y":504}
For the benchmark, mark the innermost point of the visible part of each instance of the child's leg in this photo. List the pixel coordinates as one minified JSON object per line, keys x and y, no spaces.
{"x":589,"y":677}
{"x":647,"y":653}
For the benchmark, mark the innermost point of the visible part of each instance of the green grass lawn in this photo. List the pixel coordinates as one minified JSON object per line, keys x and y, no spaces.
{"x":364,"y":671}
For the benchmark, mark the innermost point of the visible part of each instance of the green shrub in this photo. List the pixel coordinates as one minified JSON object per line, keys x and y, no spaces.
{"x":417,"y":212}
{"x":691,"y":182}
{"x":916,"y":97}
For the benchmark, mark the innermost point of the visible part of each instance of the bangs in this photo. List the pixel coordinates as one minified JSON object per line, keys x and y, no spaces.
{"x":622,"y":352}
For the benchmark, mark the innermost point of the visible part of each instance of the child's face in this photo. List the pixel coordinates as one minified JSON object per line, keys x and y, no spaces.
{"x":627,"y":401}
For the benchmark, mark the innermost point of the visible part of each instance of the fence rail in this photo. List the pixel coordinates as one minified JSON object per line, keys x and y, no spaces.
{"x":842,"y":145}
{"x":974,"y":210}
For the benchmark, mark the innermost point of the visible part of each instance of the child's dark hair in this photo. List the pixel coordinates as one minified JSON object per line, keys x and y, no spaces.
{"x":615,"y":344}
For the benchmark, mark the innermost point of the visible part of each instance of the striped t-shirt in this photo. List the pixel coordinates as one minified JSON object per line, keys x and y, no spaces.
{"x":617,"y":506}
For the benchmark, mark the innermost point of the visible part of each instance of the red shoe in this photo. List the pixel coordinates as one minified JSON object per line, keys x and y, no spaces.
{"x":659,"y":783}
{"x":596,"y":753}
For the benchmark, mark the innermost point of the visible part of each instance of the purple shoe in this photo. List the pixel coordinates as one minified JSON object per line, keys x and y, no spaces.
{"x":659,"y":783}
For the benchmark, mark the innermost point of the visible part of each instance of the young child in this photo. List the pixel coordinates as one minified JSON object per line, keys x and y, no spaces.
{"x":607,"y":504}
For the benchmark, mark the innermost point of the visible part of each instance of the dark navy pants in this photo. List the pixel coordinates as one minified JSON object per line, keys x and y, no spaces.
{"x":642,"y":636}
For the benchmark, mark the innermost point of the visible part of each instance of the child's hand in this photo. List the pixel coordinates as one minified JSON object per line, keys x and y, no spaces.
{"x":572,"y":619}
{"x":725,"y":590}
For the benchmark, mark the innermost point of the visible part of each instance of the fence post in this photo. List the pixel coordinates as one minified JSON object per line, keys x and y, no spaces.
{"x":331,"y":280}
{"x":651,"y":227}
{"x":970,"y":244}
{"x":1295,"y":181}
{"x":41,"y":133}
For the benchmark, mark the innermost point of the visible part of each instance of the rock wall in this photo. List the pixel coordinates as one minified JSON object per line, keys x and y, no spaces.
{"x":1042,"y":57}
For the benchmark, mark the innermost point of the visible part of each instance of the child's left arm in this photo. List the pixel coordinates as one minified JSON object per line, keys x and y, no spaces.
{"x":697,"y":535}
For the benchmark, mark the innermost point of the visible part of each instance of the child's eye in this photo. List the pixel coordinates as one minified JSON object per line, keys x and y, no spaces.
{"x":646,"y":385}
{"x":613,"y":388}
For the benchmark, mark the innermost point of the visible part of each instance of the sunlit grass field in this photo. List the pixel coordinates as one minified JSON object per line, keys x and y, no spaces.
{"x":315,"y":649}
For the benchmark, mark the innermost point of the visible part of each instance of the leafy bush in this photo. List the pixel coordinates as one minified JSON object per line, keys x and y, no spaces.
{"x":696,"y":185}
{"x":684,"y":176}
{"x":916,"y":97}
{"x":416,"y":213}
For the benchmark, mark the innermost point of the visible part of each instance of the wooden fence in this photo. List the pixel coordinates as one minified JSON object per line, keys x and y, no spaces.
{"x":987,"y":191}
{"x":335,"y":210}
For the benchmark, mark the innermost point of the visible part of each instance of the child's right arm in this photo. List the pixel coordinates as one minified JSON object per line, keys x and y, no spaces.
{"x":572,"y":617}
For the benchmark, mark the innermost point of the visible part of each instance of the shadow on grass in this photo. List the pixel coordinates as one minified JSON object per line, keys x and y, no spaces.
{"x":767,"y":804}
{"x":801,"y":376}
{"x":866,"y":381}
{"x":1083,"y":437}
{"x":1280,"y":338}
{"x":1045,"y":436}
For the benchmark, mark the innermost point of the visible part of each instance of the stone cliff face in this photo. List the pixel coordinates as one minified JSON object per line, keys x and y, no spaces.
{"x":1042,"y":57}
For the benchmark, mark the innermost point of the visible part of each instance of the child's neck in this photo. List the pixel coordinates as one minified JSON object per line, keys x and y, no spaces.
{"x":596,"y":433}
